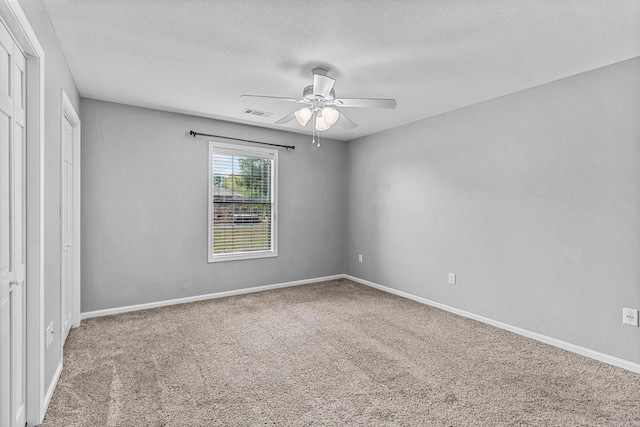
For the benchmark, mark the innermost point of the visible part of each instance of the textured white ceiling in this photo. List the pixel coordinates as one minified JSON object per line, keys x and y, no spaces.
{"x":199,"y":56}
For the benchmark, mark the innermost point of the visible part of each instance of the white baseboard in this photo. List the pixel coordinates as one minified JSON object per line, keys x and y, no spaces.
{"x":146,"y":306}
{"x":51,"y":389}
{"x":611,"y":360}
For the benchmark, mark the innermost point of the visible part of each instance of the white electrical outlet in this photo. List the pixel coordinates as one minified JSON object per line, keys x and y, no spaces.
{"x":630,"y":316}
{"x":359,"y":257}
{"x":452,"y":278}
{"x":49,"y":334}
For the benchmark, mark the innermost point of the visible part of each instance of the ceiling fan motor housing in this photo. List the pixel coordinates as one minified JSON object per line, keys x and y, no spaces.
{"x":307,"y":94}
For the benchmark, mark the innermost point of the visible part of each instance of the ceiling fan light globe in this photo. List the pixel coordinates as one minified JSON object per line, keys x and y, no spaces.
{"x":303,"y":115}
{"x":321,"y":124}
{"x":331,"y":115}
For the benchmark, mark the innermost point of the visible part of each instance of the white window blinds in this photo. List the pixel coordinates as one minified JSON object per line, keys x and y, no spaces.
{"x":242,"y":202}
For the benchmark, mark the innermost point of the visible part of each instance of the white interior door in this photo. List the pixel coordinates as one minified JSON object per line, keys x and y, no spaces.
{"x":67,"y":285}
{"x":12,"y":232}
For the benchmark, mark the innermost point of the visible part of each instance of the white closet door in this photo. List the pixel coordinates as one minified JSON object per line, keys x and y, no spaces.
{"x":66,"y":291}
{"x":12,"y":232}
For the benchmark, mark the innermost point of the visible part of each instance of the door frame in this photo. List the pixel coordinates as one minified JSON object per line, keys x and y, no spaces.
{"x":68,"y":112}
{"x":16,"y":21}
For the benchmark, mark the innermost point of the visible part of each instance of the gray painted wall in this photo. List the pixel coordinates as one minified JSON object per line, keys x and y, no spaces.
{"x":531,"y":199}
{"x":57,"y":77}
{"x":144,"y":208}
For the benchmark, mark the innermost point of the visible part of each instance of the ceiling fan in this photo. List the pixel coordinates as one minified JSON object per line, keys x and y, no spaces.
{"x":320,"y":105}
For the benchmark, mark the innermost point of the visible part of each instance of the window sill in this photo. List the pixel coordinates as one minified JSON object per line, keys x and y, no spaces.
{"x":242,"y":256}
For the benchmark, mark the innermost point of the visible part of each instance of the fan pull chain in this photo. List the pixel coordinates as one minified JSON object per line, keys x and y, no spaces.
{"x":313,"y":129}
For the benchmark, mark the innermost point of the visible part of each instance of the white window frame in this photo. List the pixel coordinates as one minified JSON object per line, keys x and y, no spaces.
{"x":224,"y":147}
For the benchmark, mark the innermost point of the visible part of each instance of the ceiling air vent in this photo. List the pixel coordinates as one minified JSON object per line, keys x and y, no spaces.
{"x":257,"y":112}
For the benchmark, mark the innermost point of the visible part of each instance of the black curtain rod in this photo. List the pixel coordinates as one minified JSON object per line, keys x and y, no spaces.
{"x":288,"y":147}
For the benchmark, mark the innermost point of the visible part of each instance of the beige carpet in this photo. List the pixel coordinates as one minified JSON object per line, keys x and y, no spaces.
{"x":334,"y":353}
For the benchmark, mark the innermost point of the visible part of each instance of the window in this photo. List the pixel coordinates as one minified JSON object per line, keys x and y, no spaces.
{"x":242,"y":202}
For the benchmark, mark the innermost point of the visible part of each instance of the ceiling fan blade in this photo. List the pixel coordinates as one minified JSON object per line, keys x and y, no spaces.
{"x":286,"y":119}
{"x":365,"y":103}
{"x":322,"y":85}
{"x":346,"y":122}
{"x":279,"y":98}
